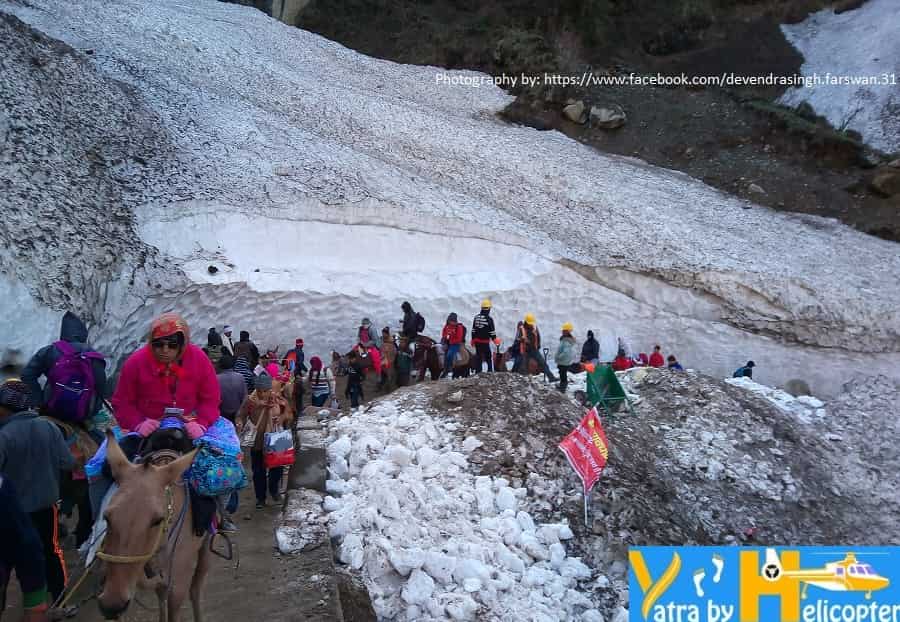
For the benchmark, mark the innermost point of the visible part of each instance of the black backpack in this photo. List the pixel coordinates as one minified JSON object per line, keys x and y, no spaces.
{"x":420,"y":322}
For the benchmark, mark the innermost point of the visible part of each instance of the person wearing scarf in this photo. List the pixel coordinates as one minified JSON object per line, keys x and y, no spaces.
{"x":168,"y":373}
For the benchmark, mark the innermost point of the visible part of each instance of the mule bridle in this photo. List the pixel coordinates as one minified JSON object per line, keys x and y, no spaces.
{"x":158,"y":456}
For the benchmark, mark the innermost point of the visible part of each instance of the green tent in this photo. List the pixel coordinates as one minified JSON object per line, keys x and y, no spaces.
{"x":603,"y":389}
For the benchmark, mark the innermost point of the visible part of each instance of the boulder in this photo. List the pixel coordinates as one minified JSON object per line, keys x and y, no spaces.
{"x":755,"y":189}
{"x":608,"y":118}
{"x":575,"y":112}
{"x":886,"y":181}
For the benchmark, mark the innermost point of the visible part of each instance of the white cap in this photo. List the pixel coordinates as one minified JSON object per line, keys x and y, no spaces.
{"x":227,"y":329}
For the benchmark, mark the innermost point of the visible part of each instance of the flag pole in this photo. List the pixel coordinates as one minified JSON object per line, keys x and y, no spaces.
{"x":586,"y":499}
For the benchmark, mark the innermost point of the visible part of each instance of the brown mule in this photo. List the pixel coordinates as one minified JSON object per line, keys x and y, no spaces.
{"x":150,"y":534}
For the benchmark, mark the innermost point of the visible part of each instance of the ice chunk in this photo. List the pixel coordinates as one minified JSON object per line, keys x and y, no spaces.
{"x":339,"y":468}
{"x":471,"y":444}
{"x":470,"y":569}
{"x":399,"y":455}
{"x":339,"y":448}
{"x":592,"y":615}
{"x":386,"y":503}
{"x":575,"y":568}
{"x":500,"y":482}
{"x":462,"y":608}
{"x":440,"y":566}
{"x":510,"y":531}
{"x":525,"y":521}
{"x":418,"y":589}
{"x":405,"y":561}
{"x":483,"y":481}
{"x":330,"y":504}
{"x":352,"y":552}
{"x":509,"y":560}
{"x":548,"y":533}
{"x":536,"y":576}
{"x":565,"y":532}
{"x":472,"y":585}
{"x":485,"y":501}
{"x":535,"y":549}
{"x":336,"y":486}
{"x":557,"y":555}
{"x":506,"y":500}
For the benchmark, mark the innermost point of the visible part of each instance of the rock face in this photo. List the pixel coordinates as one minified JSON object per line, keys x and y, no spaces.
{"x":608,"y":118}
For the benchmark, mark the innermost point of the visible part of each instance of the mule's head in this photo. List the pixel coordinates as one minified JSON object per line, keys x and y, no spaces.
{"x":135,"y":516}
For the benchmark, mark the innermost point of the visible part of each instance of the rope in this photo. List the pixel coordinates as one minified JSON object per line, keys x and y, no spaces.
{"x":163,"y":527}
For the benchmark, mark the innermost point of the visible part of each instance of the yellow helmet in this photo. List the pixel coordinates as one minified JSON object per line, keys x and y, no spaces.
{"x":486,"y":303}
{"x":529,"y":319}
{"x":568,"y":327}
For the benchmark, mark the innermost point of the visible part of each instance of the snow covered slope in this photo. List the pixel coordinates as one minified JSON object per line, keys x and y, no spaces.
{"x":262,"y":143}
{"x":856,"y":44}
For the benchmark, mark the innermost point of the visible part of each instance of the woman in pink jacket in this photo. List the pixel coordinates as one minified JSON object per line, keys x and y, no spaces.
{"x":169,"y":376}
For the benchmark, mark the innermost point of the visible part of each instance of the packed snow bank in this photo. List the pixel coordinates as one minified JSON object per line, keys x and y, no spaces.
{"x":214,"y":108}
{"x":435,"y":541}
{"x":806,"y":408}
{"x":855,"y":44}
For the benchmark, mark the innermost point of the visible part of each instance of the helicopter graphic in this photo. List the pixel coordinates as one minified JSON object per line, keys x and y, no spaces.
{"x":846,"y":575}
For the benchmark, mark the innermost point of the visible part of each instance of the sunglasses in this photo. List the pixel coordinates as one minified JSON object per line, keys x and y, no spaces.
{"x":172,"y":343}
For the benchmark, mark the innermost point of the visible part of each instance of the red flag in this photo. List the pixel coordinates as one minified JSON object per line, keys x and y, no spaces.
{"x":587,"y":449}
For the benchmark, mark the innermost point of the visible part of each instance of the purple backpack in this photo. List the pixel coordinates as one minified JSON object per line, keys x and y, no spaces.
{"x":71,"y":382}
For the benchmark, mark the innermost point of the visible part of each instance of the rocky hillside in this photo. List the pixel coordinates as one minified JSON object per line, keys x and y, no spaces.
{"x":474,"y":472}
{"x":736,"y":139}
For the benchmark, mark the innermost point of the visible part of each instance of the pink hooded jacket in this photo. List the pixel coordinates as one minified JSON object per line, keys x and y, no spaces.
{"x":143,"y":393}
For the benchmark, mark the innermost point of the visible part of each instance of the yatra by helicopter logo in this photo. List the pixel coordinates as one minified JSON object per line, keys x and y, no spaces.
{"x":756,"y":584}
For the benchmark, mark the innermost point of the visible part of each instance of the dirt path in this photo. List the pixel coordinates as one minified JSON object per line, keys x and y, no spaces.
{"x":267,"y":585}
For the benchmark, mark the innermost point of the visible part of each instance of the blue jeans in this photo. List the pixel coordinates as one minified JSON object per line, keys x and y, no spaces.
{"x":319,"y":400}
{"x":450,"y":357}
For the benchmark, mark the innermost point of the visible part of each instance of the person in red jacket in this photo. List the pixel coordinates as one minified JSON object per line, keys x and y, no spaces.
{"x":452,"y":337}
{"x":169,"y":376}
{"x":622,"y":362}
{"x":656,"y":359}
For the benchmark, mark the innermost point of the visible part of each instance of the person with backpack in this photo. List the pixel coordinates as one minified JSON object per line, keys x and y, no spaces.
{"x":413,"y":323}
{"x":529,"y":340}
{"x":656,"y":359}
{"x":75,"y":374}
{"x":483,"y":333}
{"x":566,"y":354}
{"x":590,"y":351}
{"x":32,"y":454}
{"x":453,"y":336}
{"x":246,"y":348}
{"x":321,"y":382}
{"x":744,"y":372}
{"x":622,"y":361}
